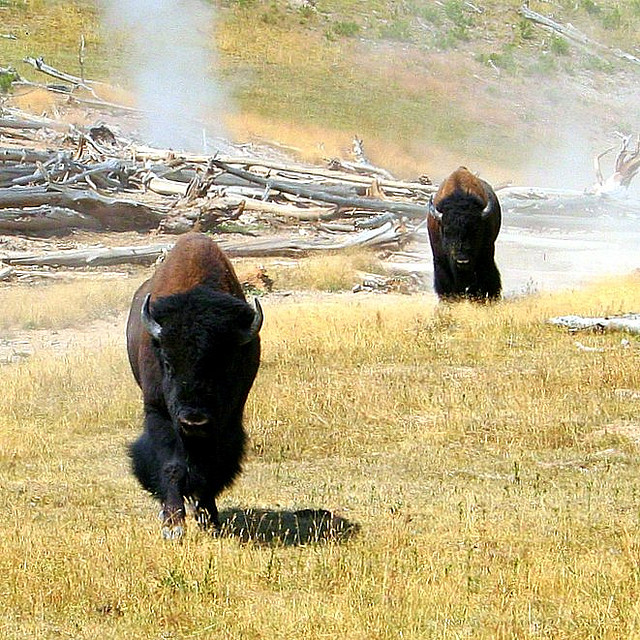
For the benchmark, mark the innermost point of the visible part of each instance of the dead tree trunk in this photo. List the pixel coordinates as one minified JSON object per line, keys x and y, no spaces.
{"x":112,"y":214}
{"x":44,"y":220}
{"x":387,"y":234}
{"x":574,"y":35}
{"x":626,"y":166}
{"x":303,"y":191}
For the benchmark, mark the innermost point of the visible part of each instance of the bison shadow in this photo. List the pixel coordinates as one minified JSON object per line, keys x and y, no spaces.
{"x":288,"y":528}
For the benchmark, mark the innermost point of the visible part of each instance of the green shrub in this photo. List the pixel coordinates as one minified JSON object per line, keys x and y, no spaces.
{"x":7,"y":78}
{"x":458,"y":15}
{"x":544,"y":65}
{"x":396,"y":29}
{"x":429,"y":13}
{"x":590,"y":7}
{"x":612,"y":19}
{"x":456,"y":12}
{"x":346,"y":29}
{"x":559,"y":46}
{"x":526,"y":30}
{"x":502,"y":60}
{"x":273,"y":15}
{"x":596,"y":63}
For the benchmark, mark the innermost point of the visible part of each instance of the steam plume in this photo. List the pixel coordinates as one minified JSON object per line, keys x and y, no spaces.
{"x":171,"y":62}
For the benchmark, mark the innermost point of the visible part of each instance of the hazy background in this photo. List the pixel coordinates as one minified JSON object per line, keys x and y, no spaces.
{"x":171,"y":64}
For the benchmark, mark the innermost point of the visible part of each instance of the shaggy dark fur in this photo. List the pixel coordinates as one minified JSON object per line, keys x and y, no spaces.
{"x":462,"y":235}
{"x":195,"y":380}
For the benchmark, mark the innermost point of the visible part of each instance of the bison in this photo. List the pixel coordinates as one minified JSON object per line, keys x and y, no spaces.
{"x":463,"y":223}
{"x":194,"y":348}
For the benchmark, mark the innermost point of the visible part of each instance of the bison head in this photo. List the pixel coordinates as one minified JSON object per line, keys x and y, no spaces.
{"x":461,"y":219}
{"x":464,"y":219}
{"x":204,"y":342}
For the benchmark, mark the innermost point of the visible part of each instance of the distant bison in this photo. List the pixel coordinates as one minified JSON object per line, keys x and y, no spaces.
{"x":194,"y":349}
{"x":463,"y":223}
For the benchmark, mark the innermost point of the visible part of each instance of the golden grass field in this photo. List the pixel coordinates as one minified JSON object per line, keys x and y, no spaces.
{"x":481,"y":469}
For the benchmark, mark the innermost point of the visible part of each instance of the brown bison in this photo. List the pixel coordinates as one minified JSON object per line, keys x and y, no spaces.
{"x":194,"y":349}
{"x":463,"y":223}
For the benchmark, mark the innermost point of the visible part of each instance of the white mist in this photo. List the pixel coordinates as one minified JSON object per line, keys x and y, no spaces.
{"x":171,"y":61}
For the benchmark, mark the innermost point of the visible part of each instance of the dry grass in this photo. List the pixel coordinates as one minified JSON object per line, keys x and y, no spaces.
{"x":63,"y":305}
{"x":484,"y":457}
{"x":53,"y":29}
{"x":330,"y":272}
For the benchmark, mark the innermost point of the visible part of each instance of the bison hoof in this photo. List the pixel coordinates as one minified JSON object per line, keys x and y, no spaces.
{"x":172,"y":532}
{"x":172,"y":524}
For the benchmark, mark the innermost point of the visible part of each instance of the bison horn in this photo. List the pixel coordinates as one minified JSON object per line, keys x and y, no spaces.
{"x":433,"y":211}
{"x":151,"y":325}
{"x":491,"y":205}
{"x":254,"y":329}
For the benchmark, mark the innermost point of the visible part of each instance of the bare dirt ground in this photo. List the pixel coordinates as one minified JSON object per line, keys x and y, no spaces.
{"x":18,"y":345}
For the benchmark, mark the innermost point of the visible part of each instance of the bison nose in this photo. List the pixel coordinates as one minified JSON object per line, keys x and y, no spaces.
{"x":192,"y":421}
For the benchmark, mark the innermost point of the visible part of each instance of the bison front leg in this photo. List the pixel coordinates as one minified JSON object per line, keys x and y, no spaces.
{"x":174,"y":474}
{"x":443,"y":281}
{"x":491,"y":283}
{"x":160,"y":465}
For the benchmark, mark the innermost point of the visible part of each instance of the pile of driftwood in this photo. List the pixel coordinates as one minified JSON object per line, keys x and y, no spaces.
{"x":56,"y":178}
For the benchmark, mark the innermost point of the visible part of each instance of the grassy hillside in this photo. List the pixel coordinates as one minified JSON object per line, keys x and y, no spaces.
{"x":490,"y":464}
{"x":428,"y":85}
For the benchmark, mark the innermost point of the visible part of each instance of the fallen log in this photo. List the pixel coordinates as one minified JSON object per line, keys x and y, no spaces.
{"x":230,"y":203}
{"x":97,"y":103}
{"x":113,"y":214}
{"x":165,"y":187}
{"x":8,"y":175}
{"x":45,"y":219}
{"x":93,"y":256}
{"x":32,"y":122}
{"x":40,"y":65}
{"x":572,"y":34}
{"x":12,"y":123}
{"x":5,"y":272}
{"x":290,"y":170}
{"x":23,"y":155}
{"x":629,"y":322}
{"x":386,"y":235}
{"x":368,"y":204}
{"x":537,"y":193}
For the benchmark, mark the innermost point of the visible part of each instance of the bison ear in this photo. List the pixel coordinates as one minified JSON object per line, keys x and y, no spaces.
{"x":252,"y":332}
{"x":152,"y":326}
{"x":433,"y":212}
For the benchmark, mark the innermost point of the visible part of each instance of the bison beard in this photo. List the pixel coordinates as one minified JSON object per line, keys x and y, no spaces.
{"x":463,"y":223}
{"x":195,"y":352}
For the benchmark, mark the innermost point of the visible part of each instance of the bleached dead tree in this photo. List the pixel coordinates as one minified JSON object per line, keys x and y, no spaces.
{"x":626,"y":165}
